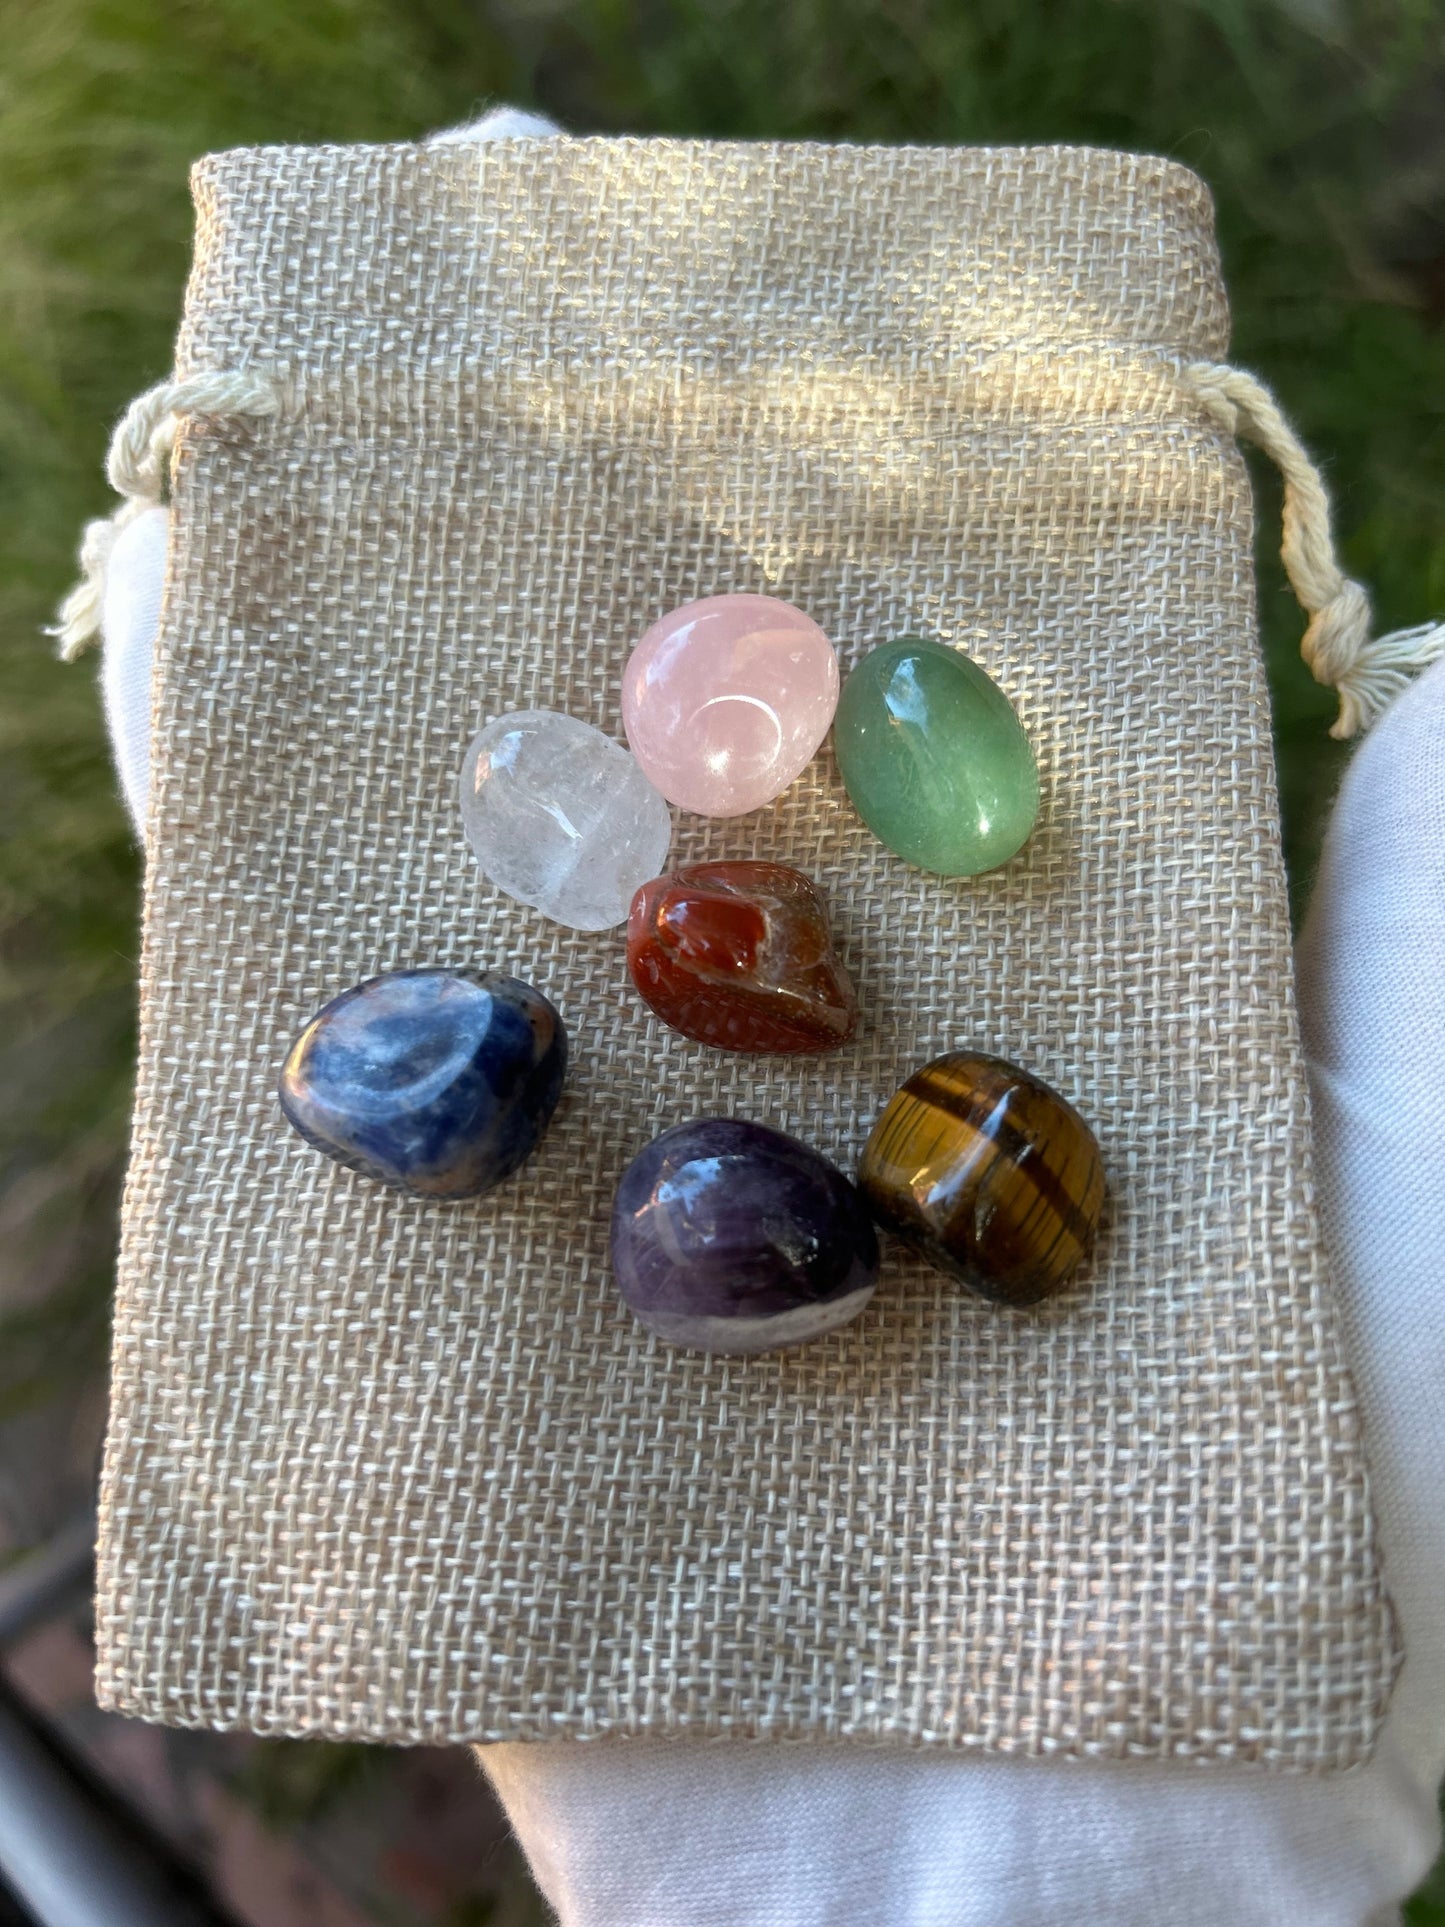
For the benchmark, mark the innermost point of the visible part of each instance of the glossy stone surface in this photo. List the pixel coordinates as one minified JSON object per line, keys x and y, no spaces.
{"x":438,"y":1082}
{"x":726,"y":700}
{"x":934,"y":758}
{"x":561,"y":817}
{"x":730,"y":1237}
{"x":739,"y":955}
{"x":988,"y":1172}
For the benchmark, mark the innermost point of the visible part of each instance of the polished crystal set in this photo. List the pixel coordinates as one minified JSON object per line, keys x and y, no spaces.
{"x":726,"y":1235}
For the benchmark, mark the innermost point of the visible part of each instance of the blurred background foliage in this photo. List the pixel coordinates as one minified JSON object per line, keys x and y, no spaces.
{"x":1319,"y":124}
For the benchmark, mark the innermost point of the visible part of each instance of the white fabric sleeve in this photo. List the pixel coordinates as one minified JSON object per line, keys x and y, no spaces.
{"x":130,"y":615}
{"x":650,"y":1833}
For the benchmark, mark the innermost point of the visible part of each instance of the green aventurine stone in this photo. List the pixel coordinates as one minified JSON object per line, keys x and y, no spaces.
{"x":935,"y":760}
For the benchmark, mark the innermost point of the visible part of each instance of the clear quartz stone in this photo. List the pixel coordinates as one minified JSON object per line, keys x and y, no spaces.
{"x":562,"y":818}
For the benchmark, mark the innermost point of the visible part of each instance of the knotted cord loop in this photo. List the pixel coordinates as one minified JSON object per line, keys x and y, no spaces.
{"x":1367,"y":671}
{"x":136,"y":468}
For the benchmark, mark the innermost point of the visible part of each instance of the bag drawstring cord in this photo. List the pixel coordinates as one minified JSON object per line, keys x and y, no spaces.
{"x":137,"y":466}
{"x":1367,"y":671}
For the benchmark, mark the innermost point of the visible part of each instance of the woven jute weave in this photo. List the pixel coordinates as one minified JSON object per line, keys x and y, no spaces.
{"x":384,"y":1468}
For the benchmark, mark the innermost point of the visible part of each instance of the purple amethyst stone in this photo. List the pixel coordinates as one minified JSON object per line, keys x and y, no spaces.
{"x":729,"y":1237}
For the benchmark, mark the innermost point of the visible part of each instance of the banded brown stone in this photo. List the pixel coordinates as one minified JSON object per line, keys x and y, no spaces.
{"x":988,"y":1172}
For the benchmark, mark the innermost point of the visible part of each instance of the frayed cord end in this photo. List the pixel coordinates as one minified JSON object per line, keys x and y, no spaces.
{"x":1384,"y":666}
{"x":77,"y":622}
{"x":1366,"y":671}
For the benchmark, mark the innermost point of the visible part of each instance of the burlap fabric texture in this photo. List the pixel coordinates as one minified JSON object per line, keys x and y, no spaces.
{"x":390,"y":1469}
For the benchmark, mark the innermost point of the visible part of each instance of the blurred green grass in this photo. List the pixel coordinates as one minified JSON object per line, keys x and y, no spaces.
{"x":1318,"y":124}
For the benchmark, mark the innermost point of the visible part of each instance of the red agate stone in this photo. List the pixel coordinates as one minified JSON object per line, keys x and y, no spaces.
{"x":738,"y":955}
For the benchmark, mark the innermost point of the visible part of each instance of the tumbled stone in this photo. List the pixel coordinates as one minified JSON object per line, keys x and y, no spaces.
{"x":730,"y":1237}
{"x":438,"y":1082}
{"x":561,"y":817}
{"x":934,"y":758}
{"x":988,"y":1172}
{"x":739,"y":955}
{"x":726,"y":700}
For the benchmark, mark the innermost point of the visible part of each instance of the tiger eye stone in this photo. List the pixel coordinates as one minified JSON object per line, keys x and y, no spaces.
{"x":989,"y":1173}
{"x":738,"y":955}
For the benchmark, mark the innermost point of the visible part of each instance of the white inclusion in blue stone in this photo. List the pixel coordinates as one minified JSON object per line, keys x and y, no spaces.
{"x":438,"y":1082}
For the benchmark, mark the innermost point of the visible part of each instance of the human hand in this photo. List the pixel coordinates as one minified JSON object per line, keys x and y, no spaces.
{"x":652,"y":1833}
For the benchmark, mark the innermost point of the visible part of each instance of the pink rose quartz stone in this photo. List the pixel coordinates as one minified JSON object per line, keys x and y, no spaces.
{"x":725,"y":701}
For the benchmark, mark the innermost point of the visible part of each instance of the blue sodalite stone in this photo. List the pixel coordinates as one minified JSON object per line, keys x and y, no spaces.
{"x":438,"y":1082}
{"x":731,"y":1237}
